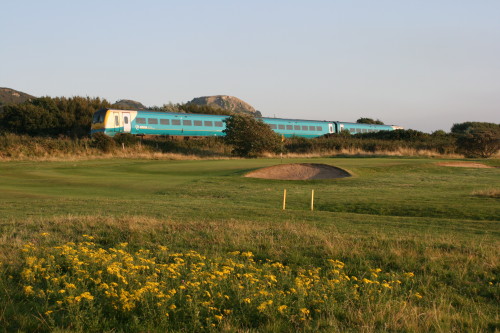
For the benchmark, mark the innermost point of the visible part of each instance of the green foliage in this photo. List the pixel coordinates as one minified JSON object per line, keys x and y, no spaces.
{"x":170,"y":107}
{"x":126,"y":139}
{"x":477,"y":139}
{"x":203,"y":109}
{"x":439,"y":133}
{"x":369,"y":121}
{"x":103,"y":142}
{"x":48,"y":116}
{"x":190,"y":108}
{"x":383,"y":141}
{"x":250,"y":136}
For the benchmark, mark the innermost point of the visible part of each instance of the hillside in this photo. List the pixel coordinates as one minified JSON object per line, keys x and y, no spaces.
{"x":128,"y":104}
{"x":11,"y":96}
{"x":227,"y":103}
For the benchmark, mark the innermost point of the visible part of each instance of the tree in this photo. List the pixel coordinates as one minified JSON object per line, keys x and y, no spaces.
{"x":250,"y":136}
{"x":477,"y":139}
{"x":48,"y":116}
{"x":369,"y":121}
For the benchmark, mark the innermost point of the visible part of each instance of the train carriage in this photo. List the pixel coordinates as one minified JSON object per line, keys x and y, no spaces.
{"x":112,"y":122}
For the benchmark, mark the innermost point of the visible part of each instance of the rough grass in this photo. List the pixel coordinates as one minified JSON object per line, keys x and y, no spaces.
{"x":397,"y":215}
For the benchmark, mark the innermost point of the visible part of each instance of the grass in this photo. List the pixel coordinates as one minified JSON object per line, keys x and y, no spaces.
{"x":399,"y":215}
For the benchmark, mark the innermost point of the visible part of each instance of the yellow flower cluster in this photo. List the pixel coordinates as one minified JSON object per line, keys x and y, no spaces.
{"x":169,"y":285}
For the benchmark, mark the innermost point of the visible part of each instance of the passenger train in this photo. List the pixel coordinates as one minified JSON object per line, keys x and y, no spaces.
{"x":111,"y":122}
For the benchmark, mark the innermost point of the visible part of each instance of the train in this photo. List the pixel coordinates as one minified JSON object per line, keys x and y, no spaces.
{"x":145,"y":123}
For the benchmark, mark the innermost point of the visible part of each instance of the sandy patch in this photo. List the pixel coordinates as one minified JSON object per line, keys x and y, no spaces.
{"x":300,"y":171}
{"x":464,"y":165}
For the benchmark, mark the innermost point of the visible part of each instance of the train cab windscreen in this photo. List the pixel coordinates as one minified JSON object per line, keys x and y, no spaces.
{"x":99,"y":117}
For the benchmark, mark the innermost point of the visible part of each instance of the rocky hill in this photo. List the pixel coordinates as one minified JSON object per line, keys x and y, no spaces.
{"x":11,"y":96}
{"x":227,"y":103}
{"x":128,"y":104}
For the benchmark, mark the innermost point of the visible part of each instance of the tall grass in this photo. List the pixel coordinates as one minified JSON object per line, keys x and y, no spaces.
{"x":23,"y":147}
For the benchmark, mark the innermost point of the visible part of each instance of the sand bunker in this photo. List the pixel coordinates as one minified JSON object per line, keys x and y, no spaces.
{"x":302,"y":171}
{"x":464,"y":165}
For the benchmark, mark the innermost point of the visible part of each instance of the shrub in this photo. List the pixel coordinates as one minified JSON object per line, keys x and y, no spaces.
{"x":249,"y":136}
{"x":476,"y":139}
{"x":103,"y":142}
{"x":126,"y":139}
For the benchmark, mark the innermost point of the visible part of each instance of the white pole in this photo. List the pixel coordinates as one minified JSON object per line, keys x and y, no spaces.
{"x":312,"y":200}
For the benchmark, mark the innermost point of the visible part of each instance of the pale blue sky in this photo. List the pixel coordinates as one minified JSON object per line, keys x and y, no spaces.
{"x":421,"y":64}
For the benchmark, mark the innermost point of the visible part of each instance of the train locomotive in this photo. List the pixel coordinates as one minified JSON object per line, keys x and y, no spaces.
{"x":144,"y":122}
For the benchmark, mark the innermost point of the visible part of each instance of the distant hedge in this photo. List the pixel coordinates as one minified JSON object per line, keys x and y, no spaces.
{"x":48,"y":116}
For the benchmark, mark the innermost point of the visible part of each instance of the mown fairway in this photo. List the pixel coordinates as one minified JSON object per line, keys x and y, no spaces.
{"x":395,"y":218}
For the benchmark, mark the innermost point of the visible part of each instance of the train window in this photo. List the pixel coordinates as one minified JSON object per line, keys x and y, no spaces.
{"x":358,"y":130}
{"x":273,"y":126}
{"x":165,"y":121}
{"x":352,"y":130}
{"x":364,"y":130}
{"x":187,"y":122}
{"x":281,"y":127}
{"x":208,"y":123}
{"x":296,"y":127}
{"x":305,"y":128}
{"x":153,"y":121}
{"x":98,"y":117}
{"x":117,"y":120}
{"x":198,"y":123}
{"x":176,"y":122}
{"x":140,"y":120}
{"x":218,"y":124}
{"x":289,"y":127}
{"x":319,"y":128}
{"x":125,"y":120}
{"x":312,"y":128}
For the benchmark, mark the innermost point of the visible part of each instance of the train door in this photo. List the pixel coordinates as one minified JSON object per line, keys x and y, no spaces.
{"x":116,"y":121}
{"x":330,"y":128}
{"x":126,"y":122}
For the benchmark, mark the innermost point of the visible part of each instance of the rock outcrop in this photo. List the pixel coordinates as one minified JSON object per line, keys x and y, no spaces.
{"x":227,"y":103}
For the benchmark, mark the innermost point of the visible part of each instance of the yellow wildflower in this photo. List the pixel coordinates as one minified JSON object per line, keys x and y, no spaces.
{"x":28,"y":290}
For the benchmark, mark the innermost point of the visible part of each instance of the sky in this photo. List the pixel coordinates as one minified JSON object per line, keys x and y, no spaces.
{"x":420,"y":64}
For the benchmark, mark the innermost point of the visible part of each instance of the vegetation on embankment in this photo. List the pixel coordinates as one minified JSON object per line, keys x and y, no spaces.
{"x":143,"y":245}
{"x":15,"y":147}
